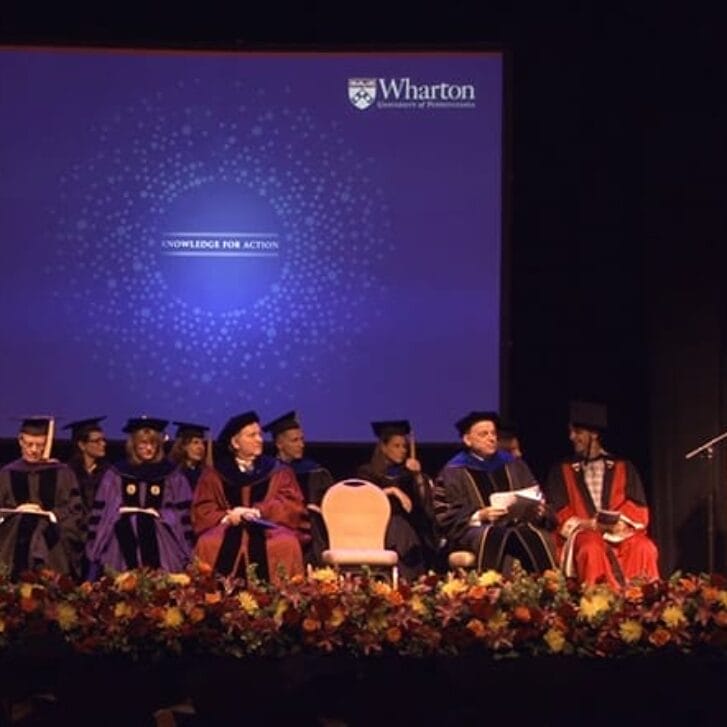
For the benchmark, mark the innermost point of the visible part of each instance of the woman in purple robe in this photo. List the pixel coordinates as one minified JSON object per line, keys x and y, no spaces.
{"x":140,"y":517}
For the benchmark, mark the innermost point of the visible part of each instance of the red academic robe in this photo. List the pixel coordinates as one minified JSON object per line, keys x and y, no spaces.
{"x":584,"y":552}
{"x":272,"y":488}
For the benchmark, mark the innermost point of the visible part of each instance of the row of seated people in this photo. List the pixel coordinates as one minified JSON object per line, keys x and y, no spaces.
{"x":249,"y":508}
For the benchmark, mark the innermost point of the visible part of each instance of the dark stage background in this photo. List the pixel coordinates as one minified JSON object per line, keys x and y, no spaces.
{"x":617,"y":214}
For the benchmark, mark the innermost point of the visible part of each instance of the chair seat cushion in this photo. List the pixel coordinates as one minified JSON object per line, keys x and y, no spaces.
{"x":359,"y":556}
{"x":461,"y":559}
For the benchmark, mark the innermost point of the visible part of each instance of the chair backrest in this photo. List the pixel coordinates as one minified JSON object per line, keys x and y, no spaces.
{"x":356,"y":514}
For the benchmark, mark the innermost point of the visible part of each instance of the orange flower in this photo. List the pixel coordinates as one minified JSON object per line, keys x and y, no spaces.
{"x":660,"y":637}
{"x":310,"y":625}
{"x":196,"y":614}
{"x":522,"y":614}
{"x":204,"y":569}
{"x":633,"y":594}
{"x":721,"y":618}
{"x":328,"y":588}
{"x":710,"y":594}
{"x":28,"y":605}
{"x":86,"y":587}
{"x":393,"y":634}
{"x":126,"y":581}
{"x":477,"y":592}
{"x":214,"y":597}
{"x":477,"y":628}
{"x":688,"y":585}
{"x":395,"y":598}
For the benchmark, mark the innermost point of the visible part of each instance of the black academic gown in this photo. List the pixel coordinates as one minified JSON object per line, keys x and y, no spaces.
{"x":464,"y":486}
{"x":410,"y":534}
{"x":29,"y":541}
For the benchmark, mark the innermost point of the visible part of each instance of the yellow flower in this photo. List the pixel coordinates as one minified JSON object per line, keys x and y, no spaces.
{"x":418,"y":606}
{"x":66,"y":616}
{"x":722,"y":599}
{"x":381,"y":588}
{"x":180,"y":579}
{"x":673,"y":616}
{"x":489,"y":578}
{"x":630,"y":631}
{"x":123,"y":610}
{"x":280,"y":609}
{"x":555,"y":640}
{"x":2,"y":626}
{"x":248,"y":603}
{"x":26,"y":590}
{"x":324,"y":574}
{"x":126,"y":581}
{"x":376,"y":622}
{"x":453,"y":587}
{"x":173,"y":617}
{"x":593,"y":605}
{"x":497,"y":622}
{"x":338,"y":616}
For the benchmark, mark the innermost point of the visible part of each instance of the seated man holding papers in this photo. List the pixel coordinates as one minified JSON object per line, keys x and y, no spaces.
{"x":489,"y":503}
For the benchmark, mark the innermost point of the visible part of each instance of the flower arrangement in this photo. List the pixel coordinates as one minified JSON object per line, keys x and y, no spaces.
{"x":147,"y":614}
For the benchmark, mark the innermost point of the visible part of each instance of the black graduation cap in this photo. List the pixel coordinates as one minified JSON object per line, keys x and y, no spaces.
{"x":588,"y":415}
{"x":188,"y":429}
{"x":282,"y":424}
{"x":81,"y":428}
{"x":235,"y":424}
{"x":384,"y":430}
{"x":136,"y":423}
{"x":36,"y":425}
{"x":466,"y":423}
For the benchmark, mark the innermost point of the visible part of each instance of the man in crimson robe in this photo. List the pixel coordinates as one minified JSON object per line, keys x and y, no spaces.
{"x":249,"y":509}
{"x":601,"y":507}
{"x":313,"y":479}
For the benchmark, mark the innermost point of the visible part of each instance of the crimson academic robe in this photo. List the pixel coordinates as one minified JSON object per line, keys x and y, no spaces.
{"x":464,"y":486}
{"x":270,"y":487}
{"x":313,"y":480}
{"x":30,"y":541}
{"x":585,"y":553}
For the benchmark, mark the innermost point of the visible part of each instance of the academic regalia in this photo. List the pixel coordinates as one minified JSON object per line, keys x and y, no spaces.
{"x":464,"y":486}
{"x":584,"y":552}
{"x":271,"y":487}
{"x":313,"y":481}
{"x":134,"y":539}
{"x":192,"y":474}
{"x":29,"y":541}
{"x":410,"y":534}
{"x":88,"y":482}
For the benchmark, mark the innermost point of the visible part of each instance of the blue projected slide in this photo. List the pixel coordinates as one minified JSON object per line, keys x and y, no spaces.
{"x":190,"y":235}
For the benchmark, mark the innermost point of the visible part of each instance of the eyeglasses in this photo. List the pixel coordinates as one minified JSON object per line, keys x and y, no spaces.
{"x":95,"y":440}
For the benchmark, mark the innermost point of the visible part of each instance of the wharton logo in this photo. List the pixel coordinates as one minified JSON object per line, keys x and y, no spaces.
{"x":403,"y":93}
{"x":362,"y":92}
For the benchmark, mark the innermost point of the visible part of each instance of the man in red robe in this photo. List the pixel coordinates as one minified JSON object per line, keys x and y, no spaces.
{"x":601,"y":508}
{"x":249,"y":509}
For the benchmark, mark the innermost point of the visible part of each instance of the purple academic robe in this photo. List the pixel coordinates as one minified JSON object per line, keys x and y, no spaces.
{"x":123,"y":540}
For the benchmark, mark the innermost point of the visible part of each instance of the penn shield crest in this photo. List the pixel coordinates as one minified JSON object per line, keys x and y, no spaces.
{"x":362,"y":92}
